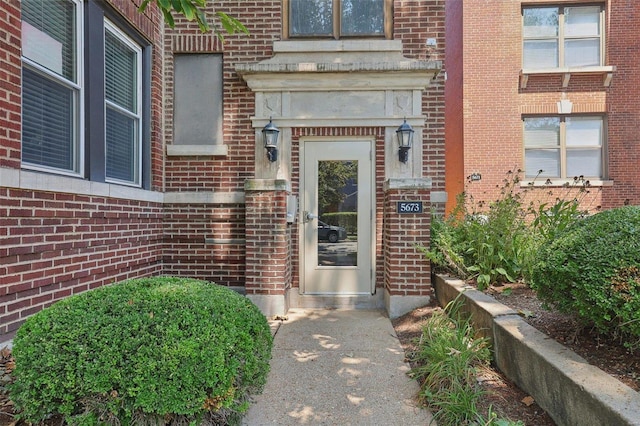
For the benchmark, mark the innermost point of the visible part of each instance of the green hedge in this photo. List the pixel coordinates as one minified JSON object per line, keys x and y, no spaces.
{"x":592,"y":269}
{"x":348,"y":220}
{"x":151,"y":351}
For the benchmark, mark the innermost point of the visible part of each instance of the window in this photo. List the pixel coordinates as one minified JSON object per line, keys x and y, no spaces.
{"x":84,"y":92}
{"x":569,"y":36}
{"x":122,"y":62}
{"x":52,"y":85}
{"x":563,"y":147}
{"x":339,"y":18}
{"x":197,"y":99}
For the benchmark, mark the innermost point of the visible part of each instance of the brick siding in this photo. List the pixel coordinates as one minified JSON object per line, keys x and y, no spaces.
{"x":205,"y":241}
{"x":268,"y":243}
{"x":53,"y":245}
{"x":10,"y":84}
{"x":494,"y":103}
{"x":406,"y":270}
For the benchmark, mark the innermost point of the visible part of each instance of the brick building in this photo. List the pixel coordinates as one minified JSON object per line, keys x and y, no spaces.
{"x":539,"y":85}
{"x":129,"y":149}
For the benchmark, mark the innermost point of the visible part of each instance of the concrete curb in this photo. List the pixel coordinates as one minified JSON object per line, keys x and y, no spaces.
{"x":564,"y":384}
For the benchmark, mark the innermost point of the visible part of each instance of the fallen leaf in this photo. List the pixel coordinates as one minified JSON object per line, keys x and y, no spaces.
{"x":528,"y":401}
{"x":526,"y":313}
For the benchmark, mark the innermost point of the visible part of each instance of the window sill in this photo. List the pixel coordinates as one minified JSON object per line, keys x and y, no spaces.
{"x":563,"y":183}
{"x":196,"y":150}
{"x":36,"y":181}
{"x":567,"y":72}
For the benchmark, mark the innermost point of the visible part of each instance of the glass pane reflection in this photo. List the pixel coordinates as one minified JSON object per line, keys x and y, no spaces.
{"x":338,"y":212}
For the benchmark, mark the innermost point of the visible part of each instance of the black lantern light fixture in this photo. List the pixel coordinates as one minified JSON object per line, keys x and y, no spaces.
{"x":270,"y":137}
{"x":405,"y":139}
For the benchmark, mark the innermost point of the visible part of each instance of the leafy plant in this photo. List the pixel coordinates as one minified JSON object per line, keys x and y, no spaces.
{"x":483,"y":242}
{"x":153,"y":351}
{"x":592,"y":269}
{"x":553,"y":216}
{"x":193,"y":10}
{"x":497,"y":242}
{"x":448,"y":356}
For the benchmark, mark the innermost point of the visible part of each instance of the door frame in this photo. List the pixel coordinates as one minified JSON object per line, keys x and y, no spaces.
{"x":302,"y":203}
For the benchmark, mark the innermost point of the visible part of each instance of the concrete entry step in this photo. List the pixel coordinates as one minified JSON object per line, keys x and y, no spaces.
{"x":366,"y":301}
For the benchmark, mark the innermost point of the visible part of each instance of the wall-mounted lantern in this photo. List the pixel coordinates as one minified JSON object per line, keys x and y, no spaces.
{"x":270,"y":137}
{"x":405,"y":139}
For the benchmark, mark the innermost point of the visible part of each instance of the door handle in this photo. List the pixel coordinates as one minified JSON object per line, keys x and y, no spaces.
{"x":308,"y":216}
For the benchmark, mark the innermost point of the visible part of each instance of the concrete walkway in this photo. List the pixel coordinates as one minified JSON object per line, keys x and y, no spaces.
{"x":337,"y":367}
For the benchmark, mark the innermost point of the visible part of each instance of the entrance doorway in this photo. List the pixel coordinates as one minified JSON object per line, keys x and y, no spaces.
{"x":337,"y":202}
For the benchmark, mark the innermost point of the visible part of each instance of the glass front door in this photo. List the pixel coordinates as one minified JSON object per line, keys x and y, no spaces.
{"x":337,"y":217}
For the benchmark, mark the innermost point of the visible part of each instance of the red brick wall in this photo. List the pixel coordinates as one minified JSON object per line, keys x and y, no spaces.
{"x":268,"y":243}
{"x":415,"y":22}
{"x":225,"y":174}
{"x":195,"y":233}
{"x":53,"y":245}
{"x":494,"y":102}
{"x":454,"y":128}
{"x":10,"y":84}
{"x":205,"y":241}
{"x":623,"y":104}
{"x":407,"y":273}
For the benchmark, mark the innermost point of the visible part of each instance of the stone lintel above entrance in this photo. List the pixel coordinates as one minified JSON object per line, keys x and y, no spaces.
{"x":344,"y":65}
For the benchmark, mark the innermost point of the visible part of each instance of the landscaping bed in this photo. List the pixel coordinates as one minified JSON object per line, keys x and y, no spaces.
{"x":507,"y":399}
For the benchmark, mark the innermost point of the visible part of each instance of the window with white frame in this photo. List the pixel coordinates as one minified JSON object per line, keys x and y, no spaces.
{"x":52,"y":85}
{"x":565,"y":36}
{"x":339,"y":18}
{"x":84,"y":91}
{"x":122,"y":65}
{"x":564,"y":147}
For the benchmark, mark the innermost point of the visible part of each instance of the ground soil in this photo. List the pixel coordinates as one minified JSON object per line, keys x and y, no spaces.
{"x":506,"y":399}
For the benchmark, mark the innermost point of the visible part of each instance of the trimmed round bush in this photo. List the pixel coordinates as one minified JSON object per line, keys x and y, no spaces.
{"x":144,"y":351}
{"x":592,"y":269}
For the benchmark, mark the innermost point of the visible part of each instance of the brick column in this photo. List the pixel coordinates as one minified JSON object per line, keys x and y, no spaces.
{"x":407,"y":274}
{"x":268,"y":248}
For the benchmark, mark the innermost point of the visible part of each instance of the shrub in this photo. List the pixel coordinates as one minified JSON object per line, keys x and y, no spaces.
{"x":592,"y":269}
{"x":496,"y":242}
{"x":348,"y":220}
{"x":485,"y":242}
{"x":152,"y":351}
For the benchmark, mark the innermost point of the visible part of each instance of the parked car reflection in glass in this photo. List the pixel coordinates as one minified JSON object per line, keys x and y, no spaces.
{"x":331,"y":233}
